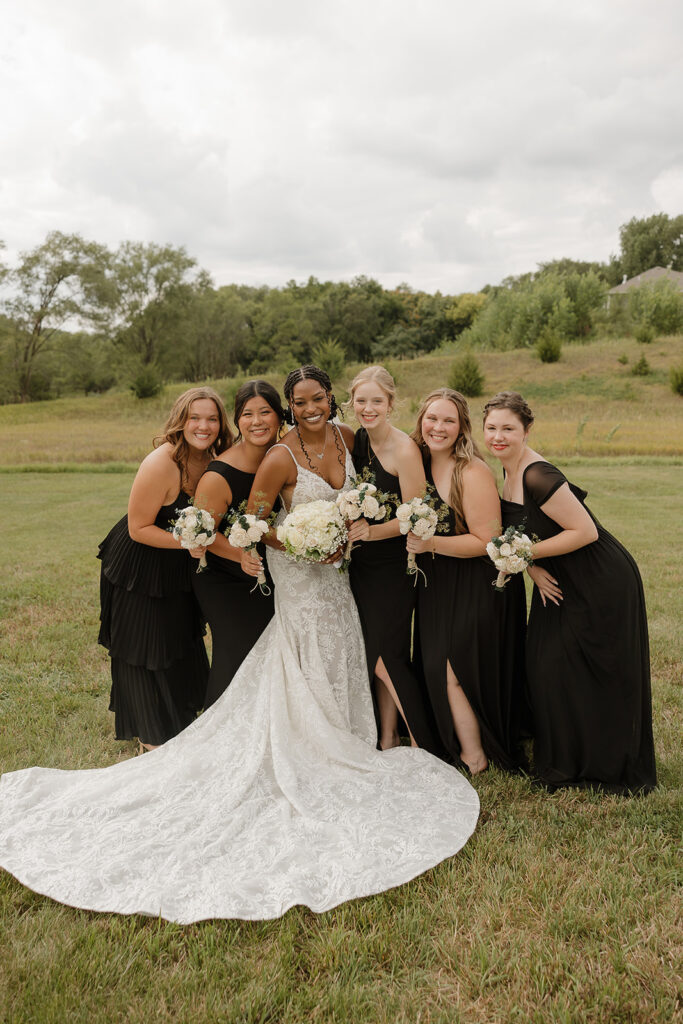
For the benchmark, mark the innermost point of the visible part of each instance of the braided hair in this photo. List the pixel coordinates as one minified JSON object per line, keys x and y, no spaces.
{"x":308,"y":372}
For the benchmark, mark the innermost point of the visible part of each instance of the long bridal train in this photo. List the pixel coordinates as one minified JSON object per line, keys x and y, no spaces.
{"x":275,"y":796}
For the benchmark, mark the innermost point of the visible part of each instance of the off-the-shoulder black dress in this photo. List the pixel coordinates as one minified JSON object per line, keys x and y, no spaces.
{"x":236,"y":612}
{"x":152,"y":627}
{"x":463,"y":620}
{"x":385,"y":596}
{"x":588,"y":662}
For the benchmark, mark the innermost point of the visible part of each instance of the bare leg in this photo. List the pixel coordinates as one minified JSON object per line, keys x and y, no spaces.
{"x":389,"y":706}
{"x":466,"y":724}
{"x":147,"y":746}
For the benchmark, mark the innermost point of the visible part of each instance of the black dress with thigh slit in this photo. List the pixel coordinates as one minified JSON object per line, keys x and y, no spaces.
{"x":588,"y":662}
{"x":463,"y":620}
{"x":152,"y":627}
{"x":385,"y":595}
{"x":236,"y":610}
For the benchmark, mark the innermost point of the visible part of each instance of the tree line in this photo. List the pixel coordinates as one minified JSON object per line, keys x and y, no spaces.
{"x":78,"y":316}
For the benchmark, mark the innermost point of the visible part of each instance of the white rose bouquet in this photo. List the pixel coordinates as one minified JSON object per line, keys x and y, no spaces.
{"x":195,"y":528}
{"x":510,"y":553}
{"x":313,"y":531}
{"x":363,"y":500}
{"x":246,"y":531}
{"x":421,"y":517}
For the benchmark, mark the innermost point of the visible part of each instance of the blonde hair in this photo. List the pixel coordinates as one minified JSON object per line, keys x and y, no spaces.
{"x":178,"y":417}
{"x":378,"y":375}
{"x":464,"y":450}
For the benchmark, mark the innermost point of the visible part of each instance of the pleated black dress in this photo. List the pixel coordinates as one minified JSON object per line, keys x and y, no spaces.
{"x":236,"y":612}
{"x":152,"y":627}
{"x":385,"y":595}
{"x":588,"y":663}
{"x":463,"y":620}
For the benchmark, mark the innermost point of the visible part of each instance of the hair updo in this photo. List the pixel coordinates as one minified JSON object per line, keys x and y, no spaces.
{"x":308,"y":372}
{"x":513,"y":401}
{"x":375,"y":375}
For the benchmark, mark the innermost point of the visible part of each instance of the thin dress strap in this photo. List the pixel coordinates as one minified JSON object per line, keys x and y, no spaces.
{"x":287,"y":449}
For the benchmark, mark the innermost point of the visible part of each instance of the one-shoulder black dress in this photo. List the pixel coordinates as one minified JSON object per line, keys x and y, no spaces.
{"x":463,"y":620}
{"x":236,"y":612}
{"x":588,"y":663}
{"x":385,"y":595}
{"x":152,"y":627}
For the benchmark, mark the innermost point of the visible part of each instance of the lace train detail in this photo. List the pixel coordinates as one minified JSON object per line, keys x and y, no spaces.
{"x":275,"y":796}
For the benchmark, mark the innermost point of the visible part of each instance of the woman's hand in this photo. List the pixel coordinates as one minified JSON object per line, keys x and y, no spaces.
{"x":251,"y":562}
{"x":197,"y":552}
{"x":417,"y":546}
{"x":359,"y":530}
{"x":547,"y":585}
{"x":336,"y":556}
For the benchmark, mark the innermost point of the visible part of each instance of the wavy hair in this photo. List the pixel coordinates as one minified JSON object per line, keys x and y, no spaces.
{"x":464,"y":450}
{"x":178,"y":417}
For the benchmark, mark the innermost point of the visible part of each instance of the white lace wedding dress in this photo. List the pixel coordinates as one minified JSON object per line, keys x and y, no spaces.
{"x":275,"y":796}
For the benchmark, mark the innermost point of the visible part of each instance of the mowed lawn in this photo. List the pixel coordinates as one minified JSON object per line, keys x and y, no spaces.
{"x":560,"y":908}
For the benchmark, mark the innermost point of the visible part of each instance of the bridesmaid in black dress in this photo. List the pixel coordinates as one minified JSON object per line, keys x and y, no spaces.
{"x":468,"y":633}
{"x":587,"y":658}
{"x":150,"y":621}
{"x":236,"y":615}
{"x":384,"y":592}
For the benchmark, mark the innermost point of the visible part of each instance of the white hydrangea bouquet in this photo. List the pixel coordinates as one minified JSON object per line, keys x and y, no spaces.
{"x":422,"y":517}
{"x":363,"y":500}
{"x":247,"y":531}
{"x":313,"y":531}
{"x":195,"y":528}
{"x":510,"y":553}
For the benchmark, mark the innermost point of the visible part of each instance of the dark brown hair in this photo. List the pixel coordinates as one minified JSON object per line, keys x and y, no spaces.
{"x":513,"y":401}
{"x":308,"y":372}
{"x":464,"y":450}
{"x":257,"y":389}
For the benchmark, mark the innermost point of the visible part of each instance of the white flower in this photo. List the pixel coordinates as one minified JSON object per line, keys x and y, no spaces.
{"x":403,"y":514}
{"x":492,"y":550}
{"x":202,"y":539}
{"x":422,"y":528}
{"x":505,"y":550}
{"x":370,"y":507}
{"x":254,"y":534}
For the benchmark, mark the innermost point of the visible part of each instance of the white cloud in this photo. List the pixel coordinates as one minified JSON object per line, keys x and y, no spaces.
{"x":444,"y":145}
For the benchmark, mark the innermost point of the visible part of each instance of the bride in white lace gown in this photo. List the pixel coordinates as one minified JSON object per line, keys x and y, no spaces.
{"x":275,"y":796}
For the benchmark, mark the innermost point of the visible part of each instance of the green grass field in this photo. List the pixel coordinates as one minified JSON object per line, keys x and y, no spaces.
{"x":561,"y":908}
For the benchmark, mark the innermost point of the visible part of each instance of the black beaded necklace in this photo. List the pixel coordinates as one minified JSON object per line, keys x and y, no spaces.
{"x":340,"y":455}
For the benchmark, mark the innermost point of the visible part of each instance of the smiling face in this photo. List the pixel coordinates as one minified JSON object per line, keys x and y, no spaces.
{"x":504,"y":434}
{"x":310,"y":404}
{"x":202,"y":425}
{"x":258,"y":422}
{"x":440,"y":425}
{"x":371,"y":405}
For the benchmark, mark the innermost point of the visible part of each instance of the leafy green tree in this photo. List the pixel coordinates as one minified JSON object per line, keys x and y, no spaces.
{"x":655,"y":241}
{"x":48,"y":289}
{"x":330,"y":355}
{"x":466,"y":376}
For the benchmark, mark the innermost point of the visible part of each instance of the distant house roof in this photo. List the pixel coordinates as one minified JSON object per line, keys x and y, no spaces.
{"x":647,"y":278}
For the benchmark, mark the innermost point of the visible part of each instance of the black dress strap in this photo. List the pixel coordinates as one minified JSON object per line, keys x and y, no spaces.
{"x":541,"y":480}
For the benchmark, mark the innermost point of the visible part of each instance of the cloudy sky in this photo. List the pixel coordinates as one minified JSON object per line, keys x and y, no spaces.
{"x":438,"y":142}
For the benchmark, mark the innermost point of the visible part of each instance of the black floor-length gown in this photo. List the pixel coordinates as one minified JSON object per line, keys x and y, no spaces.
{"x":463,"y":620}
{"x":152,"y":627}
{"x":236,"y":612}
{"x":385,"y":596}
{"x":588,"y":663}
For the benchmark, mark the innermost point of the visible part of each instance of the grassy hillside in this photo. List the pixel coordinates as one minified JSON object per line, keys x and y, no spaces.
{"x":589,"y":403}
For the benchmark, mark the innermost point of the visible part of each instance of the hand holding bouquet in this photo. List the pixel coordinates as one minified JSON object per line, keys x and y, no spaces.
{"x":246,"y":531}
{"x":421,"y":517}
{"x":195,"y":528}
{"x":510,"y":553}
{"x":313,"y":531}
{"x":363,"y":500}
